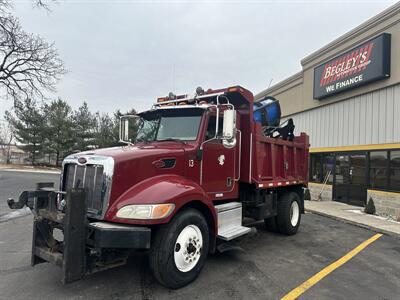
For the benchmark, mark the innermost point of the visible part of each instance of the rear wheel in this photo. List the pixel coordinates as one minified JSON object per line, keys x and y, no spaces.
{"x":179,"y":249}
{"x":289,"y":214}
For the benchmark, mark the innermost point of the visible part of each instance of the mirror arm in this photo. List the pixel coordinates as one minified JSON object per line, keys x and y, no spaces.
{"x":199,"y":154}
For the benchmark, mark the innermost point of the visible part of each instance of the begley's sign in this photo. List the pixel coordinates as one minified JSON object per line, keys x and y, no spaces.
{"x":364,"y":64}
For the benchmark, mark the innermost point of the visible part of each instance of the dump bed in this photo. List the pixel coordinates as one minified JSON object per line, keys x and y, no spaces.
{"x":276,"y":162}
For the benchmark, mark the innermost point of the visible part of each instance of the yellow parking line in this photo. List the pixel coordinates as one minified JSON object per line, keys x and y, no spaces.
{"x":333,"y":266}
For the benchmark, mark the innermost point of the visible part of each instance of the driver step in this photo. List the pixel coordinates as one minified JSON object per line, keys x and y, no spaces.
{"x":230,"y":221}
{"x":233,"y":232}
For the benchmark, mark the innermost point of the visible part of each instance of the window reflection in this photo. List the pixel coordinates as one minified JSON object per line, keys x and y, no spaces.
{"x":322,"y":167}
{"x":395,"y":170}
{"x":315,"y":167}
{"x":378,"y":169}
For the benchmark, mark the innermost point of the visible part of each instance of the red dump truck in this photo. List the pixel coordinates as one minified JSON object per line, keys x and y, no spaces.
{"x":199,"y":165}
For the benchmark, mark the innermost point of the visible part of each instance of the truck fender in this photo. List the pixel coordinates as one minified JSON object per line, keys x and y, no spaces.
{"x":162,"y":189}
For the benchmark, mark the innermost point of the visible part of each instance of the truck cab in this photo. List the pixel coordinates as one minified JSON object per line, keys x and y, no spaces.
{"x":190,"y":169}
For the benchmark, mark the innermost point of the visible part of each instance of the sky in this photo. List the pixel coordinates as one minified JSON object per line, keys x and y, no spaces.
{"x":125,"y":54}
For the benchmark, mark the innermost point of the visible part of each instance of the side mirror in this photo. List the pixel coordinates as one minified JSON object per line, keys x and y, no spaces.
{"x":126,"y":124}
{"x":229,"y":126}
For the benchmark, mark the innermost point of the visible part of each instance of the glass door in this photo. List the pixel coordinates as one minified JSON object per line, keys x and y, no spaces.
{"x":341,"y":180}
{"x":358,"y":179}
{"x":350,"y":180}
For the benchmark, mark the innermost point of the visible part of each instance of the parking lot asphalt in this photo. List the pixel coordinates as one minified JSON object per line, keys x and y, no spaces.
{"x":268,"y":267}
{"x":12,"y":183}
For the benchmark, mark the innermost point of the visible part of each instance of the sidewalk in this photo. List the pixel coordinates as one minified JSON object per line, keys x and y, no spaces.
{"x":353,"y":215}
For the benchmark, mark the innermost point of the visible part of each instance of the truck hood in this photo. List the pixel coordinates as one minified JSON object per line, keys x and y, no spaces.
{"x":134,"y":164}
{"x":129,"y":153}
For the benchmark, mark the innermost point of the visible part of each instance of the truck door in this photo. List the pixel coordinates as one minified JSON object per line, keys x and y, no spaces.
{"x":218,"y":163}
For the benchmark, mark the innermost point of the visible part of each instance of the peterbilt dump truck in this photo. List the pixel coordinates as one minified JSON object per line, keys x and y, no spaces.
{"x":199,"y":166}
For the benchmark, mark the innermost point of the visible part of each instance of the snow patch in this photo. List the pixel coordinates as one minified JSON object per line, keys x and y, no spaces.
{"x":15,"y":214}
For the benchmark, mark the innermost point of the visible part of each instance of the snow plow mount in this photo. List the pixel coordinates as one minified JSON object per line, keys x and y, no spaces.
{"x":64,"y":236}
{"x":67,"y":250}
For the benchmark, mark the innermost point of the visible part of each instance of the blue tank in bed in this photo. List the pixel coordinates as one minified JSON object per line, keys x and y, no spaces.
{"x":267,"y":112}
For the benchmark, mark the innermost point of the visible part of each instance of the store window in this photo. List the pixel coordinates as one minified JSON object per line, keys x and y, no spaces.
{"x":378,"y":171}
{"x":395,"y":170}
{"x":321,"y":167}
{"x":383,"y":172}
{"x":315,"y":167}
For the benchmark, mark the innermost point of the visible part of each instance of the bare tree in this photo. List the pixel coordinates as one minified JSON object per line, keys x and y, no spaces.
{"x":29,"y":65}
{"x":43,"y":3}
{"x":6,"y":139}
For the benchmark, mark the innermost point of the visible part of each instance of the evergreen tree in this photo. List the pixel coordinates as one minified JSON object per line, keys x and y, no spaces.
{"x":84,"y":123}
{"x":28,"y":122}
{"x":105,"y":135}
{"x":370,"y":207}
{"x":107,"y":129}
{"x":59,"y":133}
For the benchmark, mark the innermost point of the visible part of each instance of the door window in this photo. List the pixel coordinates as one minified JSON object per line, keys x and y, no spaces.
{"x":211,"y":127}
{"x":342,"y":169}
{"x":358,"y":168}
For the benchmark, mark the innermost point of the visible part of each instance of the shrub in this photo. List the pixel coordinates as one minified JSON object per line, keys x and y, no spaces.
{"x":370,"y":207}
{"x":307,"y":195}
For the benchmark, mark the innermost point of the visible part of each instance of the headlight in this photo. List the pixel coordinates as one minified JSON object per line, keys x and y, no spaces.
{"x":146,"y":212}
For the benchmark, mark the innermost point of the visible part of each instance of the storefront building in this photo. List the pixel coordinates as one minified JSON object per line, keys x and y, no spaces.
{"x":347,"y":98}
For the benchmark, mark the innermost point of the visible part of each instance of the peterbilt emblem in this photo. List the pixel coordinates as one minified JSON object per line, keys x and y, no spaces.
{"x":82,"y":160}
{"x":221,"y":159}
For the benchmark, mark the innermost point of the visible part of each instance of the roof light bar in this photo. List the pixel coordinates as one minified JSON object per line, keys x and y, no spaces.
{"x":163,"y":101}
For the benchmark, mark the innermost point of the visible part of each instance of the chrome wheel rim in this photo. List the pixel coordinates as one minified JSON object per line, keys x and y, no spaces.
{"x":294,"y":213}
{"x":187,"y":249}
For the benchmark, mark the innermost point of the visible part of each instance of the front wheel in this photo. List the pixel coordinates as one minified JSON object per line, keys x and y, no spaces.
{"x":179,"y":249}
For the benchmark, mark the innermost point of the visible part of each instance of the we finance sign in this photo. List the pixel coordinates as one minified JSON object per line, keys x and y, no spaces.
{"x":364,"y":64}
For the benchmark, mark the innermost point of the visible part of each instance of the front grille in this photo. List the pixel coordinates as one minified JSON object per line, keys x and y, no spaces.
{"x":92,"y":179}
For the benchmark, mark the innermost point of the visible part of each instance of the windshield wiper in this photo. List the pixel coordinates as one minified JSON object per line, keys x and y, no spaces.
{"x":145,"y":141}
{"x":172,"y":140}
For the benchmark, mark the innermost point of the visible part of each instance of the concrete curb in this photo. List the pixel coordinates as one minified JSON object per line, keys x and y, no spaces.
{"x":369,"y":227}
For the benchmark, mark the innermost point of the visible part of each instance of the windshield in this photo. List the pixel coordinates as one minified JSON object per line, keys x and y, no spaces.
{"x":164,"y":125}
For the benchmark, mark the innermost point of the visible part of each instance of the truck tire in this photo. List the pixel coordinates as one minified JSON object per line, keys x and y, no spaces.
{"x":289,"y":213}
{"x":179,"y":249}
